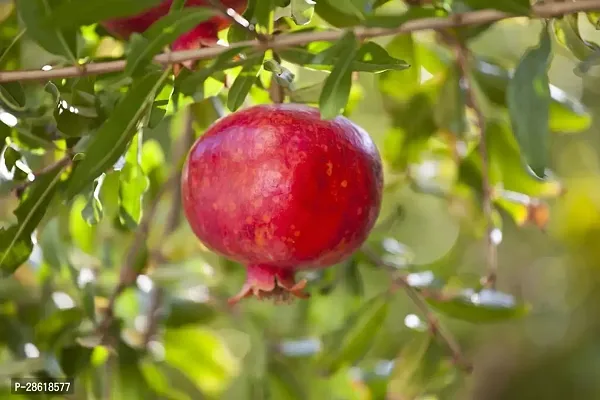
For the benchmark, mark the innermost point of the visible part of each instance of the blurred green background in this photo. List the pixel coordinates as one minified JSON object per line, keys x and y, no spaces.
{"x":266,"y":351}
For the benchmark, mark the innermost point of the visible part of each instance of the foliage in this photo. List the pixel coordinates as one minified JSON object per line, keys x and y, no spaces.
{"x":102,"y":280}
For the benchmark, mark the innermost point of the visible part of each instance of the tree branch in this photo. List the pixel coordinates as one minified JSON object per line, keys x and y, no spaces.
{"x":545,"y":10}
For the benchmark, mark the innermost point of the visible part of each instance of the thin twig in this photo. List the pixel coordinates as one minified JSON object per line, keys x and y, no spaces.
{"x":418,"y":298}
{"x":544,"y":10}
{"x":462,"y":60}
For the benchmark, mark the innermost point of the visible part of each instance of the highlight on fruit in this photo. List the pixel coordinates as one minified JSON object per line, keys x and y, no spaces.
{"x":278,"y":189}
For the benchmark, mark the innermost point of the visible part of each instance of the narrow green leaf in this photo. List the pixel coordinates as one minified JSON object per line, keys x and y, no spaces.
{"x":12,"y":95}
{"x":334,"y":16}
{"x":486,"y":306}
{"x":372,"y":57}
{"x":336,"y":90}
{"x":244,"y":82}
{"x":15,"y":242}
{"x":566,"y":30}
{"x":133,"y":184}
{"x":354,"y":339}
{"x":109,"y":142}
{"x":594,"y":18}
{"x":355,"y":8}
{"x":518,"y":7}
{"x":162,"y":33}
{"x":302,"y":11}
{"x":34,"y":14}
{"x":73,"y":13}
{"x":262,"y":12}
{"x":528,"y":99}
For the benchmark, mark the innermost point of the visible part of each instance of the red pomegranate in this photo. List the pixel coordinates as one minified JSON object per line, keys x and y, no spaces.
{"x":278,"y":189}
{"x":204,"y":34}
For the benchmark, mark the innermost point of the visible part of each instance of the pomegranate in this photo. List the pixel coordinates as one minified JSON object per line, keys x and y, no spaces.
{"x":278,"y":189}
{"x":205,"y":34}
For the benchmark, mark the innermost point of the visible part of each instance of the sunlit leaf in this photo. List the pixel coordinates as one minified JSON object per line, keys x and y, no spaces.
{"x":133,"y":185}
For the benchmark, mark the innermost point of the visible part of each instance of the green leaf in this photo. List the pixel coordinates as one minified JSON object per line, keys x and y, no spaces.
{"x":262,"y":12}
{"x":594,"y":18}
{"x":15,"y":242}
{"x":334,"y":16}
{"x":389,"y":82}
{"x":73,"y":13}
{"x":528,"y":99}
{"x":352,"y":7}
{"x":487,"y":306}
{"x":566,"y":113}
{"x":133,"y":184}
{"x":10,"y":156}
{"x":162,"y":33}
{"x":336,"y":90}
{"x":422,"y":367}
{"x":302,"y":11}
{"x":372,"y":57}
{"x":109,"y":142}
{"x":202,"y":357}
{"x":34,"y":14}
{"x":354,"y":339}
{"x":566,"y":30}
{"x":518,"y":7}
{"x":244,"y":82}
{"x":12,"y":96}
{"x":82,"y":233}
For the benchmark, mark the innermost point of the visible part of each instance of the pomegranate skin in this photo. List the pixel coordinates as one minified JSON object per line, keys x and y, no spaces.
{"x":204,"y":34}
{"x":278,"y":189}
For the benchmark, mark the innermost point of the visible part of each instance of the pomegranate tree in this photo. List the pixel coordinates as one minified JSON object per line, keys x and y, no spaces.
{"x":205,"y":34}
{"x":278,"y":189}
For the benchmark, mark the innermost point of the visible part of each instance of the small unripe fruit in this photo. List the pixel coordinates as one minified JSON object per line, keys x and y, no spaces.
{"x":278,"y":189}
